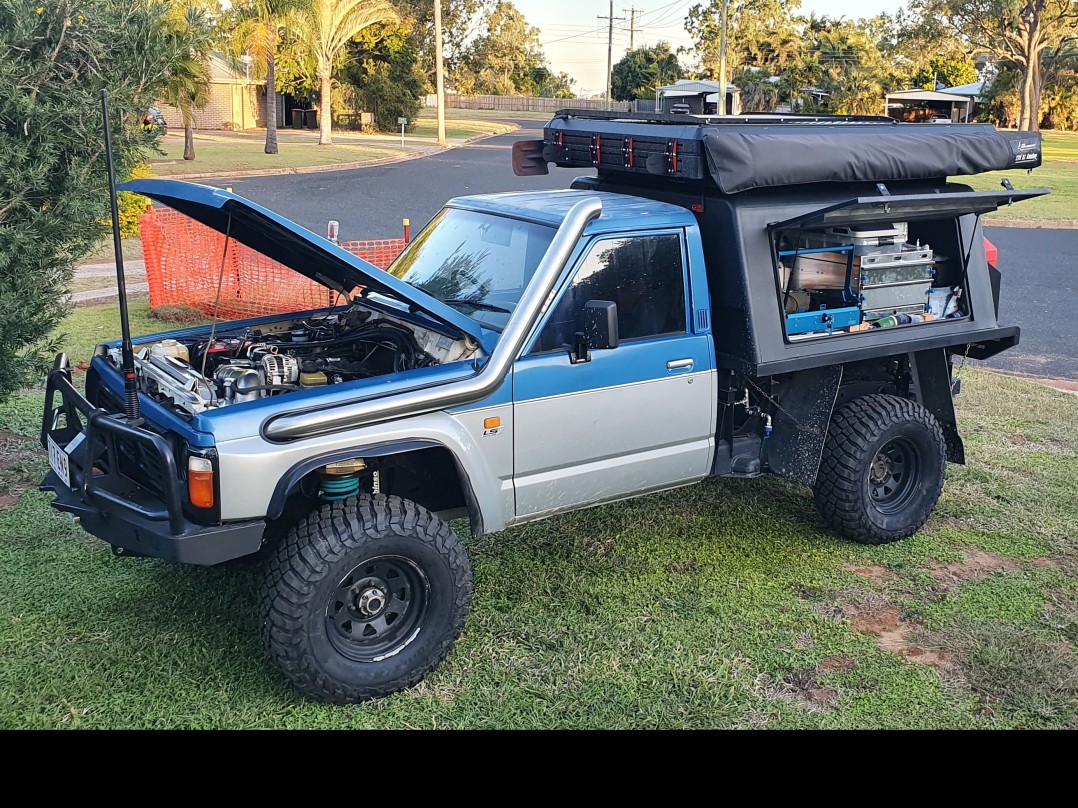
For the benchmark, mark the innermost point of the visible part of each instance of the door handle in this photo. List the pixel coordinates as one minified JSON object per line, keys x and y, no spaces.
{"x":679,"y":364}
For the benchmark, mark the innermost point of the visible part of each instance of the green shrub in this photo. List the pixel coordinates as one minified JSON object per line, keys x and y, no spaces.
{"x":132,"y":206}
{"x":55,"y":58}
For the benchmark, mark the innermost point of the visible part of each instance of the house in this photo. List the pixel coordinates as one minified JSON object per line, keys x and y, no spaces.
{"x":236,"y":102}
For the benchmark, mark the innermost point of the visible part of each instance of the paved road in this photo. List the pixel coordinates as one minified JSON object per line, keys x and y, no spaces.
{"x":1039,"y":293}
{"x":370,"y":202}
{"x":1040,"y":290}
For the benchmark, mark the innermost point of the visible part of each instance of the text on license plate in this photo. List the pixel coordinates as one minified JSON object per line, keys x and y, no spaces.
{"x":60,"y":462}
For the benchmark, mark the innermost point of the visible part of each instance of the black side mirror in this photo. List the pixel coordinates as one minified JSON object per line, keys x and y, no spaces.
{"x":600,"y":331}
{"x":601,"y":324}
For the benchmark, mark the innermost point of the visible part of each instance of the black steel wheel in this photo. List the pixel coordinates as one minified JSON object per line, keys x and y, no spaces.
{"x":377,"y":607}
{"x":364,"y":597}
{"x":882,"y":469}
{"x":892,"y":475}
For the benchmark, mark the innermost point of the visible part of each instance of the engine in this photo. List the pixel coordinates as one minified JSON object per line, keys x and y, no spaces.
{"x":194,"y":375}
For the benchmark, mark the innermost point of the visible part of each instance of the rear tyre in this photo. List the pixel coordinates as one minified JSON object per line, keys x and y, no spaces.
{"x":364,"y":598}
{"x":882,"y":469}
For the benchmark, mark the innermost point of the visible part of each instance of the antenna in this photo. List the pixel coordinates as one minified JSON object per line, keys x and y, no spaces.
{"x":127,"y":351}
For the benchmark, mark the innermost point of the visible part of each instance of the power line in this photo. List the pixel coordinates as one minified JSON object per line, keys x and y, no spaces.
{"x":595,"y":30}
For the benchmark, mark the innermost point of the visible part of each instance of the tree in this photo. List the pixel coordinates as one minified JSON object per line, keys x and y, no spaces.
{"x":461,"y":22}
{"x":501,"y":59}
{"x":383,"y":68}
{"x":55,"y":58}
{"x":548,"y":85}
{"x":188,"y":87}
{"x":640,"y":72}
{"x":325,"y":27}
{"x":762,"y":33}
{"x":1018,"y":31}
{"x":949,"y":71}
{"x":256,"y":32}
{"x":758,"y":92}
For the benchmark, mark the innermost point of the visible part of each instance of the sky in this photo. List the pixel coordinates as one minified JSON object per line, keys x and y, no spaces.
{"x":574,"y":40}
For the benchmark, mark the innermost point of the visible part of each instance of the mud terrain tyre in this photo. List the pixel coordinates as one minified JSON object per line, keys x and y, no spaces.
{"x":882,"y":469}
{"x":363,"y":598}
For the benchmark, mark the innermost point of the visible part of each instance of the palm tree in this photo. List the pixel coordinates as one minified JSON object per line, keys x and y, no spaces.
{"x":325,"y":27}
{"x":188,"y":86}
{"x":256,"y":35}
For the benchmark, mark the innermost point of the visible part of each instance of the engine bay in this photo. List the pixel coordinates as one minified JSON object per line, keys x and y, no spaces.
{"x":234,"y":363}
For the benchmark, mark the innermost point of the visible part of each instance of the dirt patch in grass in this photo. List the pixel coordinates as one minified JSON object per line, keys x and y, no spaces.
{"x":873,"y":572}
{"x":975,"y":566}
{"x":20,"y":458}
{"x":873,"y":613}
{"x":804,"y":688}
{"x":835,"y":663}
{"x":799,"y":687}
{"x":177,"y":314}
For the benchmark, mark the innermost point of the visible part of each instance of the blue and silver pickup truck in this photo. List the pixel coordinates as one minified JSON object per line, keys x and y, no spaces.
{"x":672,"y":318}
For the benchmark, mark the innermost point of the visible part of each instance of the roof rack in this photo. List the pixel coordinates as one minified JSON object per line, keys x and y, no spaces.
{"x":741,"y":152}
{"x":671,"y":118}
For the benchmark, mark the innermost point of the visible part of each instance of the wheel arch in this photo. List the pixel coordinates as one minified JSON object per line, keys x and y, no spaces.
{"x":290,"y":481}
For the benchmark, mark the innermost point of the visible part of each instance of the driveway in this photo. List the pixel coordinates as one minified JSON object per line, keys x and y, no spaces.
{"x":1039,"y":288}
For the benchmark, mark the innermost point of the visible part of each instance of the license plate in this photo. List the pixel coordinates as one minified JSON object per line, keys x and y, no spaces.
{"x":60,"y":462}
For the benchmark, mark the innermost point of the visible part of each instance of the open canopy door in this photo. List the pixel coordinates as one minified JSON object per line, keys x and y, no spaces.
{"x":907,"y":208}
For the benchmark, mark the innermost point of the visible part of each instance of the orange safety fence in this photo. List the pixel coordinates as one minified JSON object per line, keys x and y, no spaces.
{"x":183,"y":268}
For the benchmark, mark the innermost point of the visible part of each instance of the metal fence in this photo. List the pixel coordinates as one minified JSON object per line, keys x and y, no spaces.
{"x":522,"y":103}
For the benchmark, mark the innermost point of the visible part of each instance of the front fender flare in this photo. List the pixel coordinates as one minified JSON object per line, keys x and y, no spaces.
{"x":290,"y":479}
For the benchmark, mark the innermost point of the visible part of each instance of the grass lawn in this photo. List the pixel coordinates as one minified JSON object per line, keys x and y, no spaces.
{"x":94,"y":283}
{"x":1059,"y":173}
{"x":103,"y":253}
{"x":724,"y":604}
{"x":244,"y":152}
{"x":462,"y":123}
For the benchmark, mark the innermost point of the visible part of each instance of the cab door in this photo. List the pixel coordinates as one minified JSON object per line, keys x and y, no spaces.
{"x":631,"y":419}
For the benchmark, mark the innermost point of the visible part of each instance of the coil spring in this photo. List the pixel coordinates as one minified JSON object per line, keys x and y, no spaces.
{"x":333,"y":489}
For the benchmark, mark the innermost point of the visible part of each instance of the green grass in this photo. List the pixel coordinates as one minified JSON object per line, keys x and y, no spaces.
{"x":219,"y":152}
{"x":1059,"y":173}
{"x":104,"y":253}
{"x":462,"y":123}
{"x":725,"y":604}
{"x":84,"y":284}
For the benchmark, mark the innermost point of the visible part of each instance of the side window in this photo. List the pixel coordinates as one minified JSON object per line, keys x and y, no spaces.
{"x":644,"y":275}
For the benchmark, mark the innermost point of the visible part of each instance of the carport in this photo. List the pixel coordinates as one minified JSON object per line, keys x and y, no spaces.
{"x":918,"y":106}
{"x":702,"y":97}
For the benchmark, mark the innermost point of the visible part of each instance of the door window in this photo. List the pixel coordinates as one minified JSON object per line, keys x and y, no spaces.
{"x":643,"y":275}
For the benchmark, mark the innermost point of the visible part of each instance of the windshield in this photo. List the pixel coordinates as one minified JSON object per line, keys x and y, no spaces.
{"x":477,"y":263}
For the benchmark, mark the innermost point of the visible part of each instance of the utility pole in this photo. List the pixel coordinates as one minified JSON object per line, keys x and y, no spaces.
{"x":439,"y":71}
{"x":632,"y":27}
{"x":610,"y":50}
{"x":722,"y":57}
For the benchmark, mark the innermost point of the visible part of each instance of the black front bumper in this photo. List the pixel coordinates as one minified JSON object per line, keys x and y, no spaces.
{"x":117,"y":508}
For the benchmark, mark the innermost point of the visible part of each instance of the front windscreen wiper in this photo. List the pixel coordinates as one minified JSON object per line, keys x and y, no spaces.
{"x":479,"y":304}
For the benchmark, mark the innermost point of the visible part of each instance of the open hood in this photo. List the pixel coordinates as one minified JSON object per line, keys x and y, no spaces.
{"x":296,"y":247}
